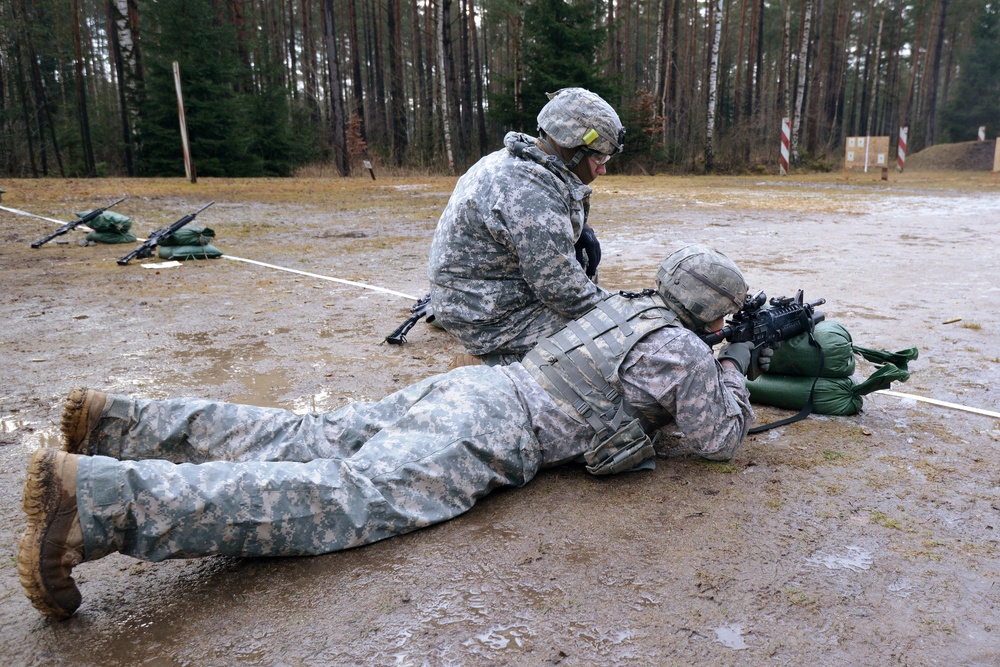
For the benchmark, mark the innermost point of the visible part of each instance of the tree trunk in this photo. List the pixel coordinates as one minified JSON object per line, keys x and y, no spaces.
{"x":738,"y":109}
{"x":309,"y":78}
{"x":293,"y":74}
{"x":445,"y":113}
{"x":337,"y":124}
{"x":713,"y":77}
{"x":907,"y":109}
{"x":357,"y":82}
{"x":801,"y":87}
{"x":451,"y":102}
{"x":875,"y":74}
{"x":83,"y":116}
{"x":932,"y":86}
{"x":397,"y":87}
{"x":480,"y":112}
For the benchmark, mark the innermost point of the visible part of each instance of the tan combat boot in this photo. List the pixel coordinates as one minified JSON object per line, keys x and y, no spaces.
{"x":53,"y":543}
{"x":81,"y":411}
{"x":464,"y":359}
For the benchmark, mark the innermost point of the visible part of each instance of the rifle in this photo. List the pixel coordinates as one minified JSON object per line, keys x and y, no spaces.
{"x":147,"y":247}
{"x":75,"y":223}
{"x":420,"y":309}
{"x":767,"y":327}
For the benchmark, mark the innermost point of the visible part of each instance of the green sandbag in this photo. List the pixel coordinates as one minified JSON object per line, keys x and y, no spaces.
{"x":797,"y":356}
{"x":182,"y":252}
{"x":109,"y":221}
{"x":111,"y":237}
{"x":189,"y":235}
{"x":832,"y":396}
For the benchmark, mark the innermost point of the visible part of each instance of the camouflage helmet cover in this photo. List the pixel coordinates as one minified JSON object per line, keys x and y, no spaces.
{"x":576,"y":117}
{"x":701,"y":285}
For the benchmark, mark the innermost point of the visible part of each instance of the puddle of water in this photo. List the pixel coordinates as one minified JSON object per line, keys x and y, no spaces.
{"x":41,"y":438}
{"x":10,"y":424}
{"x":855,"y":560}
{"x":731,"y":636}
{"x":499,"y":637}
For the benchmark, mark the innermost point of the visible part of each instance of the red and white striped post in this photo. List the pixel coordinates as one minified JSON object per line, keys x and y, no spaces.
{"x":785,"y":141}
{"x":901,"y":149}
{"x":982,"y":133}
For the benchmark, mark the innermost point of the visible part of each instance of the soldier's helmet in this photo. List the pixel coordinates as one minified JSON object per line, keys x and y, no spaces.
{"x":576,"y":117}
{"x":701,"y":285}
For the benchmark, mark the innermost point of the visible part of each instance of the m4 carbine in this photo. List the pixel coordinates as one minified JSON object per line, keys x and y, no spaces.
{"x":147,"y":247}
{"x":75,"y":223}
{"x":767,"y":327}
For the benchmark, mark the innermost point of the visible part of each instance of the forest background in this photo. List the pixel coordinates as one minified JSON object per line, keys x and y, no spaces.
{"x":280,"y":87}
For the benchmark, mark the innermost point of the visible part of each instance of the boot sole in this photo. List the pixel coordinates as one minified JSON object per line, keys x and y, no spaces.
{"x":75,"y":424}
{"x":41,"y":503}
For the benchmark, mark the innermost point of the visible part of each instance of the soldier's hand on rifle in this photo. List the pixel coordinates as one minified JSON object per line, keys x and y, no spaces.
{"x":761,"y":360}
{"x":739,"y":354}
{"x":588,"y":243}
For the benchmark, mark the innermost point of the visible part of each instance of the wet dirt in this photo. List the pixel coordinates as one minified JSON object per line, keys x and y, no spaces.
{"x":862,"y":540}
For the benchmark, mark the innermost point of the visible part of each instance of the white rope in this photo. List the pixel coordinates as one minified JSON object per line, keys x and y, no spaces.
{"x":82,"y":228}
{"x":316,"y":275}
{"x":944,"y":404}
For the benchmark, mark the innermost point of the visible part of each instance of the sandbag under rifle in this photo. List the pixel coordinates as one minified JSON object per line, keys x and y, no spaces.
{"x":73,"y":224}
{"x":149,"y":245}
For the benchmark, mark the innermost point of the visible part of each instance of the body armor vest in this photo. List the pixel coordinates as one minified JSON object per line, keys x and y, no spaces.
{"x":579,"y":367}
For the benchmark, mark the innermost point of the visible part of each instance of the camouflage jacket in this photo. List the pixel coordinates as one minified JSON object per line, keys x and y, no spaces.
{"x":671,"y":378}
{"x":503,"y":270}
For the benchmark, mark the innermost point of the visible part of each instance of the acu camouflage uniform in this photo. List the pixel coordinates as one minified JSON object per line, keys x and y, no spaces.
{"x":184,"y":478}
{"x":503,"y":269}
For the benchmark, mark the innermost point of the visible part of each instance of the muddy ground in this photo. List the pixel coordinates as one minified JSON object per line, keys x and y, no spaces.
{"x":862,"y":540}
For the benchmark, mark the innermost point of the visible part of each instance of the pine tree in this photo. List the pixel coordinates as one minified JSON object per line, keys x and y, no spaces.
{"x":976,"y":99}
{"x":204,"y":45}
{"x":561,"y":42}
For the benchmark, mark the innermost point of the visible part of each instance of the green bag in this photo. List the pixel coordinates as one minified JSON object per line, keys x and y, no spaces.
{"x":109,"y":221}
{"x":797,"y":356}
{"x":795,"y":373}
{"x":189,"y":235}
{"x":831,"y":396}
{"x":182,"y":252}
{"x":110,"y":227}
{"x":111,"y":237}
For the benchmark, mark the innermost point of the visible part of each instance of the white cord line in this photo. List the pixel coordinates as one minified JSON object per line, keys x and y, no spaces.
{"x":84,"y":228}
{"x":944,"y":404}
{"x":316,"y":275}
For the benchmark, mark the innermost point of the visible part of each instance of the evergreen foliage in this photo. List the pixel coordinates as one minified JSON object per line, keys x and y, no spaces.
{"x":87,"y":87}
{"x":233,"y":129}
{"x":977,"y":97}
{"x":561,"y":42}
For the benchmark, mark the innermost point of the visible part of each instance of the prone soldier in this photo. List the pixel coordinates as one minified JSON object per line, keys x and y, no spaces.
{"x":182,"y":478}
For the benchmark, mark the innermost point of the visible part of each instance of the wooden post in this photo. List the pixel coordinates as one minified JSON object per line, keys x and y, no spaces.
{"x":189,"y":170}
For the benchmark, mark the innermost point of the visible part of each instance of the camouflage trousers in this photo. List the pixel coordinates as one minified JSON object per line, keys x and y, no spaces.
{"x":183,"y":478}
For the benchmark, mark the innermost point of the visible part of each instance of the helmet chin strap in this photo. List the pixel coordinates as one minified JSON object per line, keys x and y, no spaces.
{"x":569,"y":165}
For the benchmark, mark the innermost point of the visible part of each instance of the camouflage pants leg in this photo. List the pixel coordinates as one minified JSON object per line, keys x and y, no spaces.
{"x":420,"y":456}
{"x":188,"y":430}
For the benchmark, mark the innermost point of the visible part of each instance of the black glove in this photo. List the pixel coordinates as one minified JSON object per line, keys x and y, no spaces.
{"x":739,"y":354}
{"x":588,"y":243}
